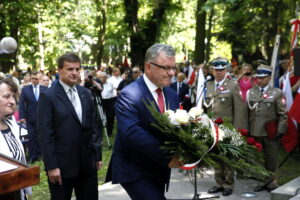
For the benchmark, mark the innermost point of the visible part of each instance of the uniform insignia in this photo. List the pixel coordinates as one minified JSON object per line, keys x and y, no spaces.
{"x":283,"y":101}
{"x":265,"y":96}
{"x":221,"y":88}
{"x":224,"y":91}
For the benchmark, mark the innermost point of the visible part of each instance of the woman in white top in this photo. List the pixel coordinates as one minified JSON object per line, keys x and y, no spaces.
{"x":10,"y":143}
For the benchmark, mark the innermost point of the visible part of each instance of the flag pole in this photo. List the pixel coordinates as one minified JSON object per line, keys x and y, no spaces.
{"x":274,"y":57}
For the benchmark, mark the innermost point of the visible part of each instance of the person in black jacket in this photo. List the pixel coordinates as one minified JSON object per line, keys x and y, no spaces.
{"x":69,"y":136}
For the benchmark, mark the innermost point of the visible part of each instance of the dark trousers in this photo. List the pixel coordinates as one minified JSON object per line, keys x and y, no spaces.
{"x":33,"y":143}
{"x":86,"y":188}
{"x":108,"y":106}
{"x":145,"y":189}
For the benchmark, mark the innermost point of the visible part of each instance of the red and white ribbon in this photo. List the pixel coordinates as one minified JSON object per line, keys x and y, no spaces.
{"x":215,"y":134}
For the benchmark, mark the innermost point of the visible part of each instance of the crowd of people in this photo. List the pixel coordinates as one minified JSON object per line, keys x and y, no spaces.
{"x":59,"y":112}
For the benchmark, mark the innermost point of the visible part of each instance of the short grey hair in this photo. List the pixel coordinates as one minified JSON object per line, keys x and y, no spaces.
{"x":153,"y":51}
{"x":102,"y":73}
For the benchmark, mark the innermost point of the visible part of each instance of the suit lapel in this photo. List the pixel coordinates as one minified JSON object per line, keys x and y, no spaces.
{"x":62,"y":95}
{"x":31,"y":92}
{"x":168,"y":104}
{"x":148,"y":97}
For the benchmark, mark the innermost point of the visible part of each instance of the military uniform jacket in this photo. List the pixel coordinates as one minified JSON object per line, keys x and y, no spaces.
{"x":264,"y":108}
{"x":225,"y":102}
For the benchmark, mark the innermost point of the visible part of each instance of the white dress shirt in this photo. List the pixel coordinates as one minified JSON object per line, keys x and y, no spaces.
{"x":78,"y":107}
{"x":152,"y":87}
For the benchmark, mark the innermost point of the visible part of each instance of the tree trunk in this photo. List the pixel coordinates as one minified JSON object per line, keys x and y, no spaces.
{"x":98,"y":49}
{"x":141,"y":38}
{"x":200,"y":33}
{"x":207,"y":47}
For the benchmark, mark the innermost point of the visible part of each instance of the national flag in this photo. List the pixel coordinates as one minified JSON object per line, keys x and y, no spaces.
{"x":290,"y":139}
{"x":191,"y":76}
{"x":125,"y":63}
{"x":295,"y":109}
{"x":295,"y":30}
{"x":200,"y":89}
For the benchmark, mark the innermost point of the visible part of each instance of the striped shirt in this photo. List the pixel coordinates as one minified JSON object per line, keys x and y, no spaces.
{"x":13,"y":145}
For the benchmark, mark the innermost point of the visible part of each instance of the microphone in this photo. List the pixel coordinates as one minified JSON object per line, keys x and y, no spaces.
{"x":208,"y":78}
{"x":8,"y":45}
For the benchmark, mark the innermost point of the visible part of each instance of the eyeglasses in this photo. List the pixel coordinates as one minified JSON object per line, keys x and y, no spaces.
{"x":135,"y":72}
{"x":167,"y":68}
{"x":34,"y":79}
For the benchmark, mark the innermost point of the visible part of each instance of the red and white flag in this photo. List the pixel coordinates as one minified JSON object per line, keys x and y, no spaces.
{"x":191,"y":76}
{"x":287,"y":91}
{"x":295,"y":109}
{"x":295,"y":30}
{"x":290,"y":139}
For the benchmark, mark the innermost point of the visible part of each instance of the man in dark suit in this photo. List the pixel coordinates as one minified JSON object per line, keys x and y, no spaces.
{"x":183,"y":90}
{"x":70,"y":138}
{"x":28,"y":107}
{"x":137,"y":162}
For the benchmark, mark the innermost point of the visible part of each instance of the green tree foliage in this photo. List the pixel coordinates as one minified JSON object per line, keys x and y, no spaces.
{"x":251,"y":26}
{"x":103,"y":31}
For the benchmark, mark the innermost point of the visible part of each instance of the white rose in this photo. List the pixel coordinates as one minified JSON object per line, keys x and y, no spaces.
{"x":171,"y":117}
{"x":195,"y":112}
{"x":169,"y":112}
{"x":221,"y":134}
{"x":181,"y":116}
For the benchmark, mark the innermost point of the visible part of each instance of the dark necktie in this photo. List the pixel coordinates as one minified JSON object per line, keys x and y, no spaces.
{"x":217,"y":86}
{"x":160,"y":100}
{"x":178,"y":89}
{"x":261,"y":91}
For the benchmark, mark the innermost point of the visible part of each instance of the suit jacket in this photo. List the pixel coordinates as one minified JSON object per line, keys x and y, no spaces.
{"x":271,"y":106}
{"x":28,"y":103}
{"x":67,"y":144}
{"x":137,"y":152}
{"x":226,"y":102}
{"x":183,"y":91}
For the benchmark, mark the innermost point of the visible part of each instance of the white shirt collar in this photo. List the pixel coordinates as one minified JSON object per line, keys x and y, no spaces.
{"x":221,"y":82}
{"x":37,"y":86}
{"x":66,"y":87}
{"x":265,"y":88}
{"x":151,"y":86}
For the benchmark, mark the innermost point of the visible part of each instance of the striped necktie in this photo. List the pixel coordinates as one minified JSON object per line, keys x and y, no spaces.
{"x":76,"y":103}
{"x":36,"y":92}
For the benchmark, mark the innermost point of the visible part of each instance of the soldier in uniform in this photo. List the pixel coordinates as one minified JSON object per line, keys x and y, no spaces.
{"x":222,"y":99}
{"x":267,"y":106}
